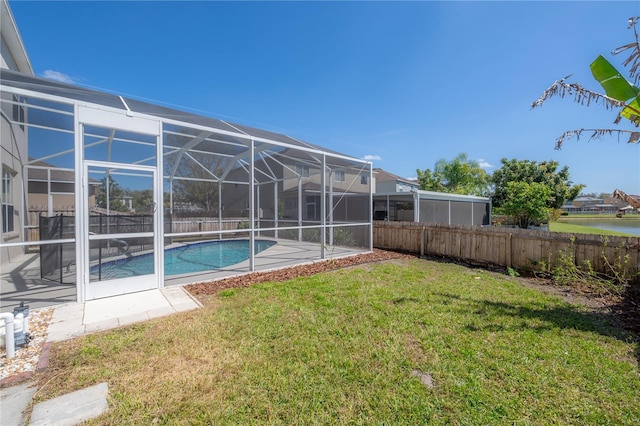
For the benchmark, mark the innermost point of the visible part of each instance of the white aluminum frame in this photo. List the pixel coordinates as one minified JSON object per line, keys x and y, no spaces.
{"x":106,"y":288}
{"x":119,"y":120}
{"x":89,"y":113}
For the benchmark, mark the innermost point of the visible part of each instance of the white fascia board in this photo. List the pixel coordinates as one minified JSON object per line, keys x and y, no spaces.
{"x":11,"y":34}
{"x":431,"y":195}
{"x":426,"y":195}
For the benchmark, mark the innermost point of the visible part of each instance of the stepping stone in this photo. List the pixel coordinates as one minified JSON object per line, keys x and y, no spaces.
{"x":73,"y":408}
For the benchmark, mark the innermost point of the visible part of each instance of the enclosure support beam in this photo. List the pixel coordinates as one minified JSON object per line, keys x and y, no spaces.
{"x":370,"y":218}
{"x":388,"y":211}
{"x":220,"y":209}
{"x":252,"y":237}
{"x":82,"y":224}
{"x":171,"y":198}
{"x":472,"y":214}
{"x":275,"y":207}
{"x":49,"y":193}
{"x":257,"y":209}
{"x":331,"y":208}
{"x":299,"y":208}
{"x":323,"y":208}
{"x":158,"y":209}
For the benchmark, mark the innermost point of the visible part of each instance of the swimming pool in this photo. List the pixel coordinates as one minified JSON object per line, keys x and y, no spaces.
{"x":190,"y":258}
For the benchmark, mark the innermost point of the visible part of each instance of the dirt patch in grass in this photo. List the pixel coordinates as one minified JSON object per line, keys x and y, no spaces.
{"x":623,"y":309}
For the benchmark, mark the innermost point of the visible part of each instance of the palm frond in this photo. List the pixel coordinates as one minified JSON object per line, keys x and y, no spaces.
{"x":585,"y":97}
{"x":634,"y":137}
{"x":580,"y":95}
{"x":634,"y":58}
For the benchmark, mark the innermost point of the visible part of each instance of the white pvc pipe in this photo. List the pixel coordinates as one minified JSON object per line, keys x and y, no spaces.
{"x":9,"y":342}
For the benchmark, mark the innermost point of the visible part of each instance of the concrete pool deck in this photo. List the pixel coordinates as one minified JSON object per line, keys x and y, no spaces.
{"x":77,"y":319}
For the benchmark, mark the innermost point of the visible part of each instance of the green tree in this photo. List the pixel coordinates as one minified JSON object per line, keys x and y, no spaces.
{"x":429,"y":181}
{"x":200,"y":187}
{"x":142,"y":200}
{"x":526,"y":202}
{"x":110,"y":190}
{"x":546,"y":173}
{"x":460,"y":176}
{"x":619,"y":94}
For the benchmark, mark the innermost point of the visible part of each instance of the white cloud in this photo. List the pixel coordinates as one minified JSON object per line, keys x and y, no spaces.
{"x":484,"y":164}
{"x":57,"y":76}
{"x":370,"y":157}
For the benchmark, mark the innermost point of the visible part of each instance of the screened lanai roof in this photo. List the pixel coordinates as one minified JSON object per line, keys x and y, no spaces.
{"x":229,"y":131}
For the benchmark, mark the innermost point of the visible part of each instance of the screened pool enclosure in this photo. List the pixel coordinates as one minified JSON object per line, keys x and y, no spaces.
{"x":94,"y":185}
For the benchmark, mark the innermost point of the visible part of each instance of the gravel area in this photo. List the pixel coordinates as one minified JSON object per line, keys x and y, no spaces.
{"x":26,"y":358}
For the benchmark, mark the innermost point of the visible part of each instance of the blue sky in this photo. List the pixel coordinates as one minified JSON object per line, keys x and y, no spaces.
{"x":401,"y":83}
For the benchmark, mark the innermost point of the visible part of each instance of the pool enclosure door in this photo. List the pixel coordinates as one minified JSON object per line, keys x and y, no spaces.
{"x":121,"y":205}
{"x":121,"y":239}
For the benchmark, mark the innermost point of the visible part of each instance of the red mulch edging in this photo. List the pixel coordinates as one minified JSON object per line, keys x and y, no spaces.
{"x":246,"y":280}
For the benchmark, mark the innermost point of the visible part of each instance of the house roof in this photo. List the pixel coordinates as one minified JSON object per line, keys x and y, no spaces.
{"x":432,"y":195}
{"x":590,"y":199}
{"x":384,"y":176}
{"x":39,"y":171}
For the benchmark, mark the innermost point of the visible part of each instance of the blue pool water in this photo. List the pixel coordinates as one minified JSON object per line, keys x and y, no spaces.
{"x":190,"y":258}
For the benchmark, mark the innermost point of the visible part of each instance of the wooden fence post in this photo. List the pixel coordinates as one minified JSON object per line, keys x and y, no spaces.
{"x":508,"y":253}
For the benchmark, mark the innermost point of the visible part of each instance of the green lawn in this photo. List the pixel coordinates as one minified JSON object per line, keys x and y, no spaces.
{"x":340,"y":348}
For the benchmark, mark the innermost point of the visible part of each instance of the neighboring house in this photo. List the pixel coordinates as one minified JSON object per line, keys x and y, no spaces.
{"x":432,"y":207}
{"x":51,"y":190}
{"x":386,"y":182}
{"x":615,"y":202}
{"x":13,"y":138}
{"x":584,"y":203}
{"x":400,"y":199}
{"x":300,"y":185}
{"x":591,"y":204}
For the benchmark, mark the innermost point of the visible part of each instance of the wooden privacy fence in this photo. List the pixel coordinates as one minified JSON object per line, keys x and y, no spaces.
{"x":521,"y":249}
{"x":204,"y":224}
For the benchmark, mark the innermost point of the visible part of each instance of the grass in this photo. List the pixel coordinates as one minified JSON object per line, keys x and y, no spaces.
{"x":340,"y":348}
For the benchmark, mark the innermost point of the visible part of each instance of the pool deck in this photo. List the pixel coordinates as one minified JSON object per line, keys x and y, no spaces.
{"x":20,"y":279}
{"x":282,"y":255}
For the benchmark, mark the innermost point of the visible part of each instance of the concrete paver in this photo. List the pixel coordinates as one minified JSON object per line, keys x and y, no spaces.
{"x":15,"y":400}
{"x":77,"y":319}
{"x":73,"y":408}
